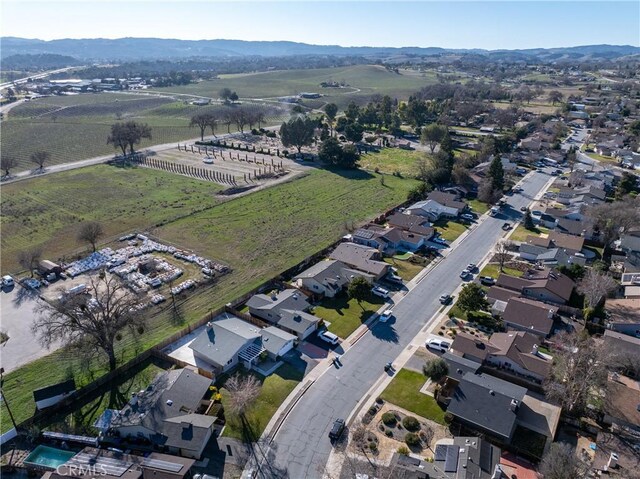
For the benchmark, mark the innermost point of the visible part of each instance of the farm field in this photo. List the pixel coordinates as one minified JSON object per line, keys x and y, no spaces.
{"x":258,"y":235}
{"x":390,"y":160}
{"x":76,"y":127}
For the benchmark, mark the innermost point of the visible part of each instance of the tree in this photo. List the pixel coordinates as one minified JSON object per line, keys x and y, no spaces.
{"x":241,"y":118}
{"x":118,"y":137}
{"x":610,"y":219}
{"x":225,"y":94}
{"x":626,"y":185}
{"x":487,"y":194}
{"x":595,"y":286}
{"x":330,"y":151}
{"x":496,"y":173}
{"x":91,"y":232}
{"x":562,"y":462}
{"x":353,"y":132}
{"x":298,"y":132}
{"x":502,"y":254}
{"x":243,"y":391}
{"x":213,"y":123}
{"x":436,"y":369}
{"x":352,"y":112}
{"x":227,"y":118}
{"x":471,"y":298}
{"x":331,"y":110}
{"x":419,"y":192}
{"x":40,"y":158}
{"x":571,"y":158}
{"x":234,"y":96}
{"x":359,"y":289}
{"x":96,"y":325}
{"x":461,"y":176}
{"x":201,"y":120}
{"x":128,"y":134}
{"x":29,"y":258}
{"x":7,"y":163}
{"x":528,"y":220}
{"x":432,"y":135}
{"x":350,"y":157}
{"x":580,"y":367}
{"x":555,"y":97}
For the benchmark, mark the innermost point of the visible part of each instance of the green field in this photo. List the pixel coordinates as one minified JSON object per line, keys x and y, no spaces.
{"x":404,"y":391}
{"x":391,"y":160}
{"x":73,"y":128}
{"x":258,"y":235}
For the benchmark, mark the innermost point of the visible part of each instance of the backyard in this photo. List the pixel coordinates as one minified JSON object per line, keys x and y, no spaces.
{"x":345,"y":314}
{"x":391,"y":160}
{"x":404,"y":391}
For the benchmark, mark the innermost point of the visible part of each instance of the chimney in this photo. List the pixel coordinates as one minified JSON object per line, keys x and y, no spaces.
{"x":534,"y":350}
{"x":514,"y":405}
{"x":550,"y":315}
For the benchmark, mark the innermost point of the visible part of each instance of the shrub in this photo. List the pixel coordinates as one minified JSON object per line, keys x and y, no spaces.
{"x":381,"y":427}
{"x":411,"y":439}
{"x":373,"y":446}
{"x":388,"y":433}
{"x":373,"y":410}
{"x":379,"y":400}
{"x":448,"y":418}
{"x":403,"y":450}
{"x":410,"y":423}
{"x":389,"y":419}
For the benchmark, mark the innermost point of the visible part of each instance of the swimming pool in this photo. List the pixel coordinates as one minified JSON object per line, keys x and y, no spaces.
{"x":45,"y":457}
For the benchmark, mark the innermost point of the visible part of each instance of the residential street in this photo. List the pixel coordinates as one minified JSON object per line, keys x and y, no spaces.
{"x":301,"y":446}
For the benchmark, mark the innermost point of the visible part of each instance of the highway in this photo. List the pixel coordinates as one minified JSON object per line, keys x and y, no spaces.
{"x":301,"y":446}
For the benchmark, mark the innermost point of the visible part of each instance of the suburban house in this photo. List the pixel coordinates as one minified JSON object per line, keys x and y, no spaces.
{"x":616,"y":455}
{"x":586,"y":194}
{"x":165,"y":413}
{"x":631,"y":284}
{"x":556,"y":249}
{"x":50,"y":395}
{"x":622,"y":344}
{"x":328,"y":278}
{"x":438,"y":204}
{"x":361,"y":257}
{"x":412,"y":223}
{"x":287,"y":309}
{"x":388,"y":240}
{"x":277,"y":342}
{"x":541,"y":284}
{"x":511,"y":354}
{"x":623,"y":316}
{"x":522,"y":314}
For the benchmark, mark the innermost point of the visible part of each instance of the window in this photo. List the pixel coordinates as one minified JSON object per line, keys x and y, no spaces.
{"x":230,"y":361}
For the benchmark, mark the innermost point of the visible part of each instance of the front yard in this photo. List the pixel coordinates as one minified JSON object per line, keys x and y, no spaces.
{"x":406,"y":269}
{"x":477,"y":206}
{"x":521,"y":233}
{"x":275,"y":389}
{"x":404,"y":391}
{"x":493,"y":270}
{"x":449,"y":230}
{"x":345,"y":314}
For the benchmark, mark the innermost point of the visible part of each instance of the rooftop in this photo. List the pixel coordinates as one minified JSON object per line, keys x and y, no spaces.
{"x":530,"y":314}
{"x":360,"y":257}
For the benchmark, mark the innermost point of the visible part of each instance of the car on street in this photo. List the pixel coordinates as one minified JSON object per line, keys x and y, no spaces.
{"x":517,"y":189}
{"x":208,"y":160}
{"x":386,"y":315}
{"x":506,"y":226}
{"x":438,"y":345}
{"x":471,"y":267}
{"x":380,"y":291}
{"x":487,"y":280}
{"x":445,"y":299}
{"x":329,"y":337}
{"x":336,"y":430}
{"x":465,"y":273}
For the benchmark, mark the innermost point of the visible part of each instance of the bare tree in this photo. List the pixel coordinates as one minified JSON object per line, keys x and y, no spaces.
{"x":502,"y":254}
{"x":579,"y":367}
{"x":243,"y":390}
{"x":228,"y":119}
{"x":94,"y":323}
{"x":561,"y":462}
{"x":595,"y":286}
{"x":29,"y":258}
{"x":202,"y":120}
{"x":40,"y":158}
{"x":7,"y":163}
{"x":90,"y":233}
{"x":611,"y":219}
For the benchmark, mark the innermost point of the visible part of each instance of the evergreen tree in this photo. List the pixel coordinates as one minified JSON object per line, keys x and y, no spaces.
{"x":496,"y":173}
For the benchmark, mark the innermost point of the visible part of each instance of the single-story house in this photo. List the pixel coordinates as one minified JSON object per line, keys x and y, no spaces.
{"x":50,"y":395}
{"x":328,"y":278}
{"x":277,"y":342}
{"x":361,"y":257}
{"x":165,"y":413}
{"x":544,"y":285}
{"x":287,"y":309}
{"x":432,"y":210}
{"x":534,"y":317}
{"x":412,"y":223}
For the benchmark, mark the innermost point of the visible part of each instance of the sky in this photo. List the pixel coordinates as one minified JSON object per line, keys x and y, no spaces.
{"x":426,"y":23}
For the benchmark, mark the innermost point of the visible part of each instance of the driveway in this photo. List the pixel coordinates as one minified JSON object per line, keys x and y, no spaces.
{"x":18,"y":312}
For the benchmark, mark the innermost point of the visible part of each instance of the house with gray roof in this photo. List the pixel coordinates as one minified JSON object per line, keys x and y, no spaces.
{"x":361,"y":257}
{"x":277,"y":342}
{"x":287,"y":309}
{"x":328,"y":278}
{"x":166,"y":414}
{"x":522,"y":314}
{"x":433,"y":210}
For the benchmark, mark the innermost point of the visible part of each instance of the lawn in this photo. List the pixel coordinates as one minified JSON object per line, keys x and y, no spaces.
{"x":258,"y":235}
{"x":275,"y":389}
{"x":477,"y":206}
{"x":404,"y":391}
{"x":391,"y":160}
{"x":344,"y":314}
{"x":406,"y":269}
{"x":604,"y":159}
{"x":493,"y":270}
{"x":521,"y":233}
{"x":449,"y":230}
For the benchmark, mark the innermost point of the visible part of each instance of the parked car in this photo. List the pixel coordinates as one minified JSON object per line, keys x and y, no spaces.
{"x":208,"y":160}
{"x":393,"y":277}
{"x":439,"y":240}
{"x":438,"y":345}
{"x":329,"y":337}
{"x":517,"y":189}
{"x":465,"y":273}
{"x":506,"y":226}
{"x":471,"y":267}
{"x":445,"y":299}
{"x":31,"y":283}
{"x":467,"y":216}
{"x":336,"y":430}
{"x":381,"y":292}
{"x":7,"y":281}
{"x":487,"y":280}
{"x":524,"y":209}
{"x":386,"y":316}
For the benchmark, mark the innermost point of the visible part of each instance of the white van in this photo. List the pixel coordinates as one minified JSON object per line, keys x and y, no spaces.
{"x":329,"y":337}
{"x":438,"y":345}
{"x":7,"y":281}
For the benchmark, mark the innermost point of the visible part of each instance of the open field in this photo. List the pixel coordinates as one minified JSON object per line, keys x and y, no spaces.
{"x":258,"y":235}
{"x":391,"y":160}
{"x":363,"y":80}
{"x":76,"y":127}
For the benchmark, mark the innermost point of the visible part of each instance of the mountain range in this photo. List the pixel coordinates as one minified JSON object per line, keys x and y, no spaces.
{"x":129,"y":49}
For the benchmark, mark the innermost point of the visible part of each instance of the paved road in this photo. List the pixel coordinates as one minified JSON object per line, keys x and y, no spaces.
{"x":301,"y":446}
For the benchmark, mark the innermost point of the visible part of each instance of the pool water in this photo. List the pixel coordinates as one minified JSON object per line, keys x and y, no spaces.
{"x":48,"y":457}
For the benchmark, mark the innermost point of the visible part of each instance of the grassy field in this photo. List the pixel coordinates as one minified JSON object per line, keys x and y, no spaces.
{"x":404,"y":391}
{"x":344,"y":314}
{"x":391,"y":160}
{"x":73,"y":128}
{"x":258,"y":235}
{"x":275,"y":389}
{"x":449,"y":230}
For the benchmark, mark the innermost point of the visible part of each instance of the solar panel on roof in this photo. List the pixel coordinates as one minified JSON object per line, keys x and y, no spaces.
{"x":367,"y":234}
{"x":441,"y":452}
{"x":451,"y":459}
{"x":162,"y":465}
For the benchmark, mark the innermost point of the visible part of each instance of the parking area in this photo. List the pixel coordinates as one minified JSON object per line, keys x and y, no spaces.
{"x":18,"y":306}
